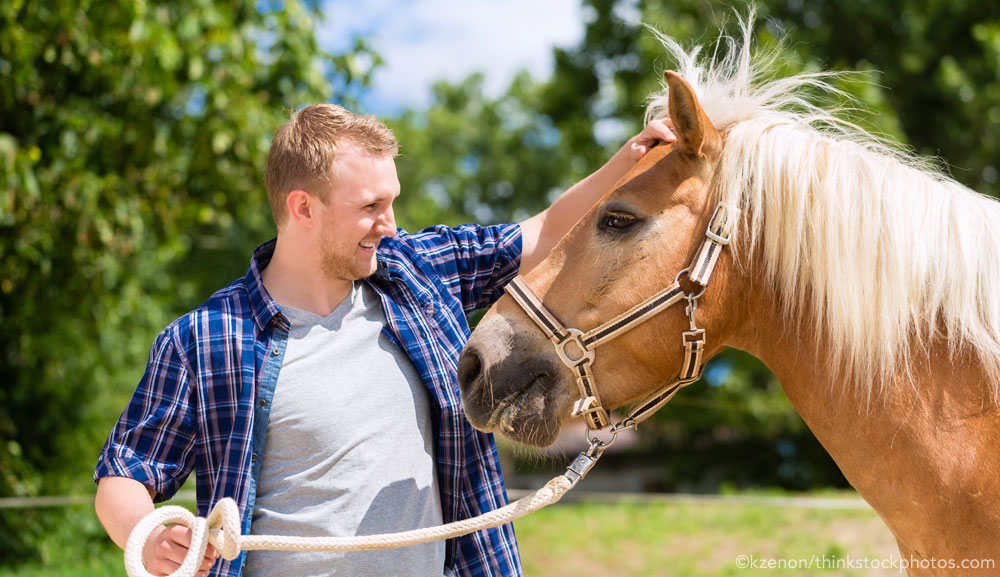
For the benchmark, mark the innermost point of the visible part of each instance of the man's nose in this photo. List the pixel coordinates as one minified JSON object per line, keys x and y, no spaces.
{"x":386,"y":225}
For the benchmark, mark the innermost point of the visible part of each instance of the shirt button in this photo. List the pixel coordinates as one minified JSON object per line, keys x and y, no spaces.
{"x":262,"y":403}
{"x":253,"y":458}
{"x":275,"y":351}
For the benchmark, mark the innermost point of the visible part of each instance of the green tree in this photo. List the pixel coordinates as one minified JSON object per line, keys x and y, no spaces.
{"x":132,"y":140}
{"x":939,"y":64}
{"x":472,"y":158}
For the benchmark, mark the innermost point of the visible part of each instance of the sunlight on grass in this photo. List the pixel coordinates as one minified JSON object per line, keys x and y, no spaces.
{"x":695,"y":539}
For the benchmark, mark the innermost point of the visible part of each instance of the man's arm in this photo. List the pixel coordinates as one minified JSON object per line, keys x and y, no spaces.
{"x":121,"y":503}
{"x":541,"y":232}
{"x":128,"y":479}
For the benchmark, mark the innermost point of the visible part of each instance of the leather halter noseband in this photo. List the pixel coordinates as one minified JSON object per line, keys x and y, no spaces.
{"x":576,"y":348}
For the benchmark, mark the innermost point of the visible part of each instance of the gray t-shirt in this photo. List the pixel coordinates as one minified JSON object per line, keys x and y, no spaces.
{"x":350,"y":448}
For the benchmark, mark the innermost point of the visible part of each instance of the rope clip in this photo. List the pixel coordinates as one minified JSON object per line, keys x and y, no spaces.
{"x":584,"y":462}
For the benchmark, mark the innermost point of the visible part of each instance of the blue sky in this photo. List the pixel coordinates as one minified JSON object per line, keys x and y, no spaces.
{"x":425,"y":40}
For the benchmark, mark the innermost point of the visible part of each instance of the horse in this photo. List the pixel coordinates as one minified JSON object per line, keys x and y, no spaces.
{"x":861,"y":275}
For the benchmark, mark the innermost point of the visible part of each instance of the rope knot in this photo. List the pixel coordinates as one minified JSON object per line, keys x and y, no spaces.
{"x":224,"y":528}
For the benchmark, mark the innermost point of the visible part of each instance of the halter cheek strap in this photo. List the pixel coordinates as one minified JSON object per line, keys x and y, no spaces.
{"x":576,"y":348}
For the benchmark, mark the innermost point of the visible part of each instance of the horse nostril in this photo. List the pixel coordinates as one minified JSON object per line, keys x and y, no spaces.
{"x":470,"y":366}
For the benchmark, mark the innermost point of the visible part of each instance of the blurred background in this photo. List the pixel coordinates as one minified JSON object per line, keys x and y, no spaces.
{"x":133,"y":137}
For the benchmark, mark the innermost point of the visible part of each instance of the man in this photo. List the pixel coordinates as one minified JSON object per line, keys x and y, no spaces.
{"x":319,"y":391}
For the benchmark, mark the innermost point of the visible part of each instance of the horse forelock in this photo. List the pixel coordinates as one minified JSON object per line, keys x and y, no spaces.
{"x":887,"y":253}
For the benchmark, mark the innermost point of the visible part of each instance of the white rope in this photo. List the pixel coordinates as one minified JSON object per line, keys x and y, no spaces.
{"x":221,"y":529}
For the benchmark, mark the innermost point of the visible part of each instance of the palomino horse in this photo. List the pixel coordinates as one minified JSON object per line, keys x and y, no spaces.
{"x":863,"y":278}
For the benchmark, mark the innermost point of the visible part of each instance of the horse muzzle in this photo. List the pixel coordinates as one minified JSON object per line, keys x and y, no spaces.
{"x":509,"y":386}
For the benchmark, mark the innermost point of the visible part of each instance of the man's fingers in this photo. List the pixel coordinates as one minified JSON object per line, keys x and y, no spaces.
{"x":162,"y":567}
{"x":171,"y":551}
{"x":179,"y":534}
{"x":639,"y":149}
{"x":658,"y":130}
{"x":655,"y":132}
{"x":166,"y":551}
{"x":210,"y":556}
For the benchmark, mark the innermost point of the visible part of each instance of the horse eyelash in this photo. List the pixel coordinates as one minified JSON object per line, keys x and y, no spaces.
{"x":631,"y":218}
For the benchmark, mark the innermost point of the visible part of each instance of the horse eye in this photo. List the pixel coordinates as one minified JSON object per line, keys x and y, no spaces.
{"x":617,"y":221}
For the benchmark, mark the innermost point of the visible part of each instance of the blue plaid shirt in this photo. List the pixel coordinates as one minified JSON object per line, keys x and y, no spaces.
{"x":204,"y":400}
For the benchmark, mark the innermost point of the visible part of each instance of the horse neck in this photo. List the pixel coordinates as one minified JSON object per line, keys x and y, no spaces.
{"x":921,"y":452}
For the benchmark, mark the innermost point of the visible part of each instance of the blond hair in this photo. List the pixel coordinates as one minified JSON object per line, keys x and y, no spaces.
{"x":305,"y":148}
{"x":888,"y":252}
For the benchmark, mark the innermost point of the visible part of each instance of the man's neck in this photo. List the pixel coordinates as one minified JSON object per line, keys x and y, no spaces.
{"x":295,"y":278}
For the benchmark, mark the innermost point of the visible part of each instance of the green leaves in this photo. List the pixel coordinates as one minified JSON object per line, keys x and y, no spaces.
{"x":472,"y":158}
{"x":133,"y":137}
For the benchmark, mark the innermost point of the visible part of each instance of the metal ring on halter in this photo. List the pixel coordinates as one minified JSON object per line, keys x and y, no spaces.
{"x":625,"y":425}
{"x":687,"y":296}
{"x":596,"y":443}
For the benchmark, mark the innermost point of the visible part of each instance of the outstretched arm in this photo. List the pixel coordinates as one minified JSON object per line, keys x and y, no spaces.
{"x":541,"y":232}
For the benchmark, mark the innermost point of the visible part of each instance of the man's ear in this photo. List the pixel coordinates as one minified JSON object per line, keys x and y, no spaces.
{"x":301,"y":207}
{"x":695,"y":132}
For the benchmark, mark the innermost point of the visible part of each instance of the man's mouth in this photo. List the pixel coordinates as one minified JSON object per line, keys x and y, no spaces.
{"x":368,"y":244}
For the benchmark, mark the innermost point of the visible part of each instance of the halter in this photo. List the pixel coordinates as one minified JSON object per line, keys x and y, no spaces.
{"x":222,"y":525}
{"x":576,"y":348}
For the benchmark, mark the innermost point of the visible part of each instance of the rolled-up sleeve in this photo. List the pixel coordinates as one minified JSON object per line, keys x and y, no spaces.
{"x":153,"y":440}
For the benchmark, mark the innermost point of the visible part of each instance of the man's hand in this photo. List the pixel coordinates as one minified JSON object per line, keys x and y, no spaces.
{"x":541,"y":232}
{"x":654,"y":132}
{"x":166,"y":548}
{"x":121,"y":503}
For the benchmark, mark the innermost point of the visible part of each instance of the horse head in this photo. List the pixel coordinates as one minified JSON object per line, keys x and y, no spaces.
{"x":634,"y":242}
{"x":862,"y":276}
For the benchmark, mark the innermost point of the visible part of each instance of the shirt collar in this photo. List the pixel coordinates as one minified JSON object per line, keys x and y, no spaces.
{"x":263,"y":306}
{"x":383,"y":269}
{"x":386,"y":267}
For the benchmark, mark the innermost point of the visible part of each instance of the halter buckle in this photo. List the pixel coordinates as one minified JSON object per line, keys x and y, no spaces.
{"x":723,"y":240}
{"x":574,"y":336}
{"x":691,"y":307}
{"x":591,"y":410}
{"x":693,"y":335}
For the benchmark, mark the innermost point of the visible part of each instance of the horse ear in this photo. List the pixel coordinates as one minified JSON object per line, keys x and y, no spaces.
{"x":694,"y":130}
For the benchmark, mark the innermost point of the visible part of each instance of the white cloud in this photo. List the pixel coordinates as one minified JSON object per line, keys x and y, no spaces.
{"x":425,"y":40}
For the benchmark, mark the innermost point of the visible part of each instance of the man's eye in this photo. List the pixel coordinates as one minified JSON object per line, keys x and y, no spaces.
{"x":617,"y":221}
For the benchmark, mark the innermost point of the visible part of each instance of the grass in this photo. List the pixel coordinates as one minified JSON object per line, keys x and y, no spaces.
{"x":642,"y":539}
{"x":625,"y":538}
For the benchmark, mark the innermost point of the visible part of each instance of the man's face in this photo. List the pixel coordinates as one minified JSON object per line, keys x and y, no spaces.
{"x":357,"y":214}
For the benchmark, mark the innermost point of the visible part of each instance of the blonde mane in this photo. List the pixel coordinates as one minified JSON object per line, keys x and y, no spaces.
{"x":885,"y":251}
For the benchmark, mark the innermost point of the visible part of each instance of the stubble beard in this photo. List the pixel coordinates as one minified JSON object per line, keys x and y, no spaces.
{"x":338,"y":266}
